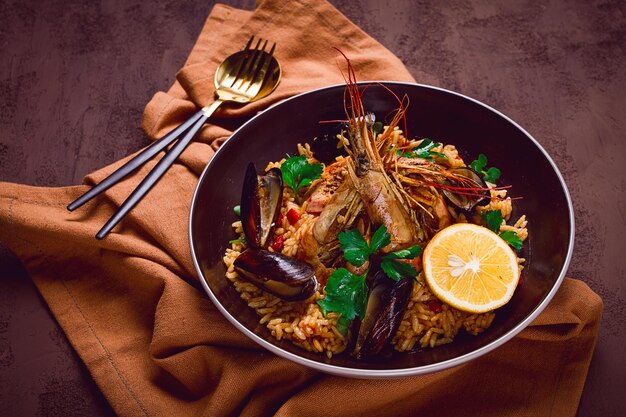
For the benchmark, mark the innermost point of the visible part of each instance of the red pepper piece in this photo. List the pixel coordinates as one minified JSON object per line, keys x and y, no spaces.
{"x":434,"y":306}
{"x":278,"y":243}
{"x":293,"y":216}
{"x":279,"y":221}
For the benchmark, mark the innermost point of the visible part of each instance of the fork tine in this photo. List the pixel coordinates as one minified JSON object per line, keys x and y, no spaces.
{"x":241,"y":60}
{"x":249,"y":43}
{"x":260,"y":75}
{"x":246,"y":69}
{"x":249,"y":76}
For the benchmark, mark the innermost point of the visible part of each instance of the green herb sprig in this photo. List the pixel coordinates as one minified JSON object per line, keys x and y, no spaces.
{"x":298,"y":173}
{"x":491,"y":174}
{"x":424,"y":151}
{"x":398,"y":270}
{"x":346,"y":293}
{"x":355,"y":248}
{"x":512,"y":239}
{"x":357,"y":251}
{"x":493,"y":218}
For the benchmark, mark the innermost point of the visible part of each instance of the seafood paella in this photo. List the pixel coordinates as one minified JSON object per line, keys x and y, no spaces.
{"x":366,"y":241}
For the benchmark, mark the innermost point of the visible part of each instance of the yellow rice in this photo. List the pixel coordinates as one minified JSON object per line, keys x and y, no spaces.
{"x":301,"y":322}
{"x":427,"y":322}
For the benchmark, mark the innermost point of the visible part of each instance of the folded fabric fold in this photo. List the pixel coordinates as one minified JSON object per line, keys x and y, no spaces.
{"x":304,"y":31}
{"x":132,"y":308}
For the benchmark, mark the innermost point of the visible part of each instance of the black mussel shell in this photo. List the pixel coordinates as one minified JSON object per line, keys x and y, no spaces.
{"x":325,"y":145}
{"x":261,"y":198}
{"x":250,"y":208}
{"x":385,"y":308}
{"x":285,"y":277}
{"x":476,"y":191}
{"x":428,"y":222}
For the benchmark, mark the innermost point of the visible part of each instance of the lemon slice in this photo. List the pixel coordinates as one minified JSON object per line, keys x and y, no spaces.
{"x":471,"y":268}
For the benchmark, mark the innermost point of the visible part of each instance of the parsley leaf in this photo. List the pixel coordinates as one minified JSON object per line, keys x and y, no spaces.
{"x":237,"y":210}
{"x":380,"y":239}
{"x":397,"y":270}
{"x":357,"y":251}
{"x":425,"y":146}
{"x":490,"y":175}
{"x":512,"y":239}
{"x":479,"y":164}
{"x":408,"y":253}
{"x":493,"y":219}
{"x":241,"y":240}
{"x":346,"y":294}
{"x":355,"y":248}
{"x":343,"y":323}
{"x":297,"y":172}
{"x":424,"y":150}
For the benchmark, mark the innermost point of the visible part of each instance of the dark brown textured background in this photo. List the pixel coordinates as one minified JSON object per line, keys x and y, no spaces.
{"x":75,"y":75}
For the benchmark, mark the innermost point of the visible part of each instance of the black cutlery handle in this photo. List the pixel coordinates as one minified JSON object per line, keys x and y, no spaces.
{"x":135,"y":163}
{"x":153,"y":177}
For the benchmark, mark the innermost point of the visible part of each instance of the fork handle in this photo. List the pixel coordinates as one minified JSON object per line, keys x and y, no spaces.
{"x":157,"y":172}
{"x":136,"y":162}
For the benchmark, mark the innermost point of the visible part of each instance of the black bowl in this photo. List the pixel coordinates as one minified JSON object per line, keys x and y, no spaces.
{"x":441,"y":115}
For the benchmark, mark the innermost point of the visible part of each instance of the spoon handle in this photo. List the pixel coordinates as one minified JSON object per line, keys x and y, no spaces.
{"x":132,"y":165}
{"x":157,"y":172}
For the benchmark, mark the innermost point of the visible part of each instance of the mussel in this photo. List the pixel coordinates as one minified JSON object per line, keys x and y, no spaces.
{"x":386,"y":304}
{"x":261,"y":198}
{"x":285,"y":277}
{"x":467,"y":190}
{"x":325,"y":145}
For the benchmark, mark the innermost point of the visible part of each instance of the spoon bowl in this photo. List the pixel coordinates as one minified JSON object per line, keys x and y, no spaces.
{"x":227,"y":71}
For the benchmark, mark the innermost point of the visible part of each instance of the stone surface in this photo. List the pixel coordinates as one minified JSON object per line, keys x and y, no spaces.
{"x":74,"y":77}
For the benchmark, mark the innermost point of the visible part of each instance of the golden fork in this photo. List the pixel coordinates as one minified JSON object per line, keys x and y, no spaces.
{"x":243,"y":77}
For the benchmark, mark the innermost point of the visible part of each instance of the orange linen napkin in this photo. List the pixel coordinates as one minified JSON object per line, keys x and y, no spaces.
{"x":132,"y":308}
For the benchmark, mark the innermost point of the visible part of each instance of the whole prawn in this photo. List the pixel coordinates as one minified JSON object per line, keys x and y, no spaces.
{"x":366,"y":188}
{"x":383,"y":202}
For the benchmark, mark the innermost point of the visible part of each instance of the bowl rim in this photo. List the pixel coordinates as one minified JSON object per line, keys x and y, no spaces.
{"x":398,"y":372}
